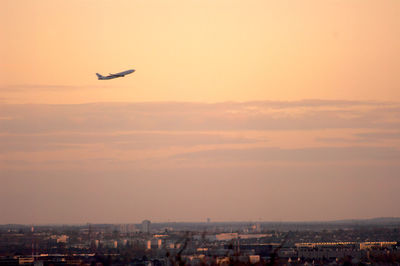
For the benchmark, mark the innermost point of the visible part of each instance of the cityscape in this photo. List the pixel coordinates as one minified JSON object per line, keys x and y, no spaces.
{"x":348,"y":242}
{"x":199,"y":132}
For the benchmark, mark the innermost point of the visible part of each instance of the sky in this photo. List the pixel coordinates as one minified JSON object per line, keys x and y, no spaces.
{"x":237,"y":111}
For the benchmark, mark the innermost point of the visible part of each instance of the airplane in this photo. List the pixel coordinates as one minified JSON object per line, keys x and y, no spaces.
{"x":116,"y":75}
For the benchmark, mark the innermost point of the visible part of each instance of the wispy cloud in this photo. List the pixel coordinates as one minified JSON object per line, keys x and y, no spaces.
{"x":109,"y":117}
{"x":46,"y":87}
{"x":300,"y":155}
{"x":116,"y":141}
{"x":373,"y":136}
{"x":200,"y":133}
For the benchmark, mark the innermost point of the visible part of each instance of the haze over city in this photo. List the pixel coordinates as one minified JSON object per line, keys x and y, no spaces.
{"x":237,"y":111}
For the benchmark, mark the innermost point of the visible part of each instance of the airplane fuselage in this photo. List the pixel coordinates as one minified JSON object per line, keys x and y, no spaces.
{"x":116,"y":75}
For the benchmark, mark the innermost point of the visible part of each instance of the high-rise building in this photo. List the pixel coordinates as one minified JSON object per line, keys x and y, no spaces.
{"x":146,"y":226}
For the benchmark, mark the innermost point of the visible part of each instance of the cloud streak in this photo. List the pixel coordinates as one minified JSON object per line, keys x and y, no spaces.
{"x":119,"y":141}
{"x":170,"y":116}
{"x":47,"y":87}
{"x":299,"y":155}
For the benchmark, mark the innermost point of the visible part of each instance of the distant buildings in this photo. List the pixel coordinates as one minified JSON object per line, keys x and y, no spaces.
{"x":195,"y":244}
{"x":127,"y":228}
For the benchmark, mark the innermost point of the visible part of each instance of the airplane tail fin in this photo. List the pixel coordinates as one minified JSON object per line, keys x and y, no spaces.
{"x":99,"y":76}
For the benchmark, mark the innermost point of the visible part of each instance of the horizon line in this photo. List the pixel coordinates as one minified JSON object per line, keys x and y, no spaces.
{"x":212,"y":222}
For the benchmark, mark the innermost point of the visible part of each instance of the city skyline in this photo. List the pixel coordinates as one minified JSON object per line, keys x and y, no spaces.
{"x":269,"y":110}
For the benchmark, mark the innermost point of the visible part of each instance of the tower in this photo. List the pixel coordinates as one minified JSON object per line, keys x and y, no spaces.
{"x":146,"y":226}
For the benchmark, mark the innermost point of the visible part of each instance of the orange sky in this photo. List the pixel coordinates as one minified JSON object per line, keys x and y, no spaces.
{"x":213,"y":123}
{"x":199,"y":50}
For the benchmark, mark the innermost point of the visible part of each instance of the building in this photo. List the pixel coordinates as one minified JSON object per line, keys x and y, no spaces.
{"x":146,"y":226}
